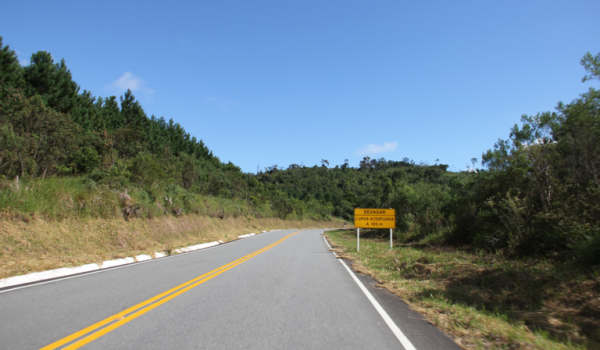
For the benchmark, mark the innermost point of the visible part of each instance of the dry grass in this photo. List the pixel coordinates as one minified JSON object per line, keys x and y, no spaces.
{"x":31,"y":244}
{"x":486,"y":301}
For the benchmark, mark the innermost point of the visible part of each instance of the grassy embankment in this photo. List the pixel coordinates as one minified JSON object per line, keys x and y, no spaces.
{"x":485,"y":301}
{"x":69,"y":222}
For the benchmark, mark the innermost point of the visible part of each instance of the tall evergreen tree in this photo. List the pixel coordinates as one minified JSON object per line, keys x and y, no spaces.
{"x":86,"y":113}
{"x":11,"y":72}
{"x":53,"y":82}
{"x":132,"y":111}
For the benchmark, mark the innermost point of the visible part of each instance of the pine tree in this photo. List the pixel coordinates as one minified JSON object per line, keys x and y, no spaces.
{"x":11,"y":72}
{"x":53,"y":82}
{"x":86,"y":113}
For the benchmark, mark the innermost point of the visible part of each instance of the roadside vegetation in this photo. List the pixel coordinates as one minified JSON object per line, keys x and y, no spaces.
{"x":30,"y":244}
{"x":525,"y":223}
{"x":483,"y":300}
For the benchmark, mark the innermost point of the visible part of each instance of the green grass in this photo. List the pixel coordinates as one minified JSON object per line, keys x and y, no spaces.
{"x":485,"y":300}
{"x":58,"y":198}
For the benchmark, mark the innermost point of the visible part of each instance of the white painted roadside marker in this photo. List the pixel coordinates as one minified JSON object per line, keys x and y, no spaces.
{"x":143,"y":257}
{"x":199,"y":246}
{"x":397,"y":332}
{"x":117,"y":262}
{"x":44,"y":275}
{"x":248,"y":235}
{"x":67,"y":271}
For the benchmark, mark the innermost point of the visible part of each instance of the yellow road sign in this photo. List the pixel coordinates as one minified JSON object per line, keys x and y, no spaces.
{"x":374,"y":218}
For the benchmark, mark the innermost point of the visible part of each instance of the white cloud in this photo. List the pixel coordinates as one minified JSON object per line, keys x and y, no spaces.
{"x":131,"y":82}
{"x":373,"y":149}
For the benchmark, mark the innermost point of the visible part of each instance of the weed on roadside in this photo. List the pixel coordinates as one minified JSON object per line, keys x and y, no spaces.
{"x":485,"y":300}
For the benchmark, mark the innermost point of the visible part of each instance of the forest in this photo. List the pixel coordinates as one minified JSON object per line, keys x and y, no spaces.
{"x":536,"y":193}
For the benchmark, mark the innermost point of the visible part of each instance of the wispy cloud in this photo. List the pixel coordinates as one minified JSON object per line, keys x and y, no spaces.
{"x":373,"y":149}
{"x":131,"y":82}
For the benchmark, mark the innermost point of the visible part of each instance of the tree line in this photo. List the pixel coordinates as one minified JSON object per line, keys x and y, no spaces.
{"x":49,"y":127}
{"x":538,"y":191}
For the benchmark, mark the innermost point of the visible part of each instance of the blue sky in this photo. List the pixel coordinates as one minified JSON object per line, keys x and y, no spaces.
{"x":282,"y":82}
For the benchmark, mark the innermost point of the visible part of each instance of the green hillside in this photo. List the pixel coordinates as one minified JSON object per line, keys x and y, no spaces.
{"x":537,"y":194}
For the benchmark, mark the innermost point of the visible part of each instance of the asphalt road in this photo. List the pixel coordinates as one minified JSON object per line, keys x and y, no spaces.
{"x":277,"y":290}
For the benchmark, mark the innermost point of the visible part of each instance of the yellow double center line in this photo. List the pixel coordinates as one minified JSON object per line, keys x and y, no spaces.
{"x":136,"y":311}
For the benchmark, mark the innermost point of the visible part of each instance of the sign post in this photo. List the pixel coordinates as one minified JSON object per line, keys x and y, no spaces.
{"x":373,"y":218}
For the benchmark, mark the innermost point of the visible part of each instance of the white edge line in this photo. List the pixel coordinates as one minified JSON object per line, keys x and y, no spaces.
{"x":397,"y":332}
{"x":81,"y":274}
{"x":325,"y":239}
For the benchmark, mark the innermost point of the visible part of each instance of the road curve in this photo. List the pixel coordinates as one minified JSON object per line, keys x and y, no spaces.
{"x":278,"y":290}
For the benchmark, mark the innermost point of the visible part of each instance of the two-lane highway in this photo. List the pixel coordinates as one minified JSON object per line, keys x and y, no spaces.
{"x":279,"y":290}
